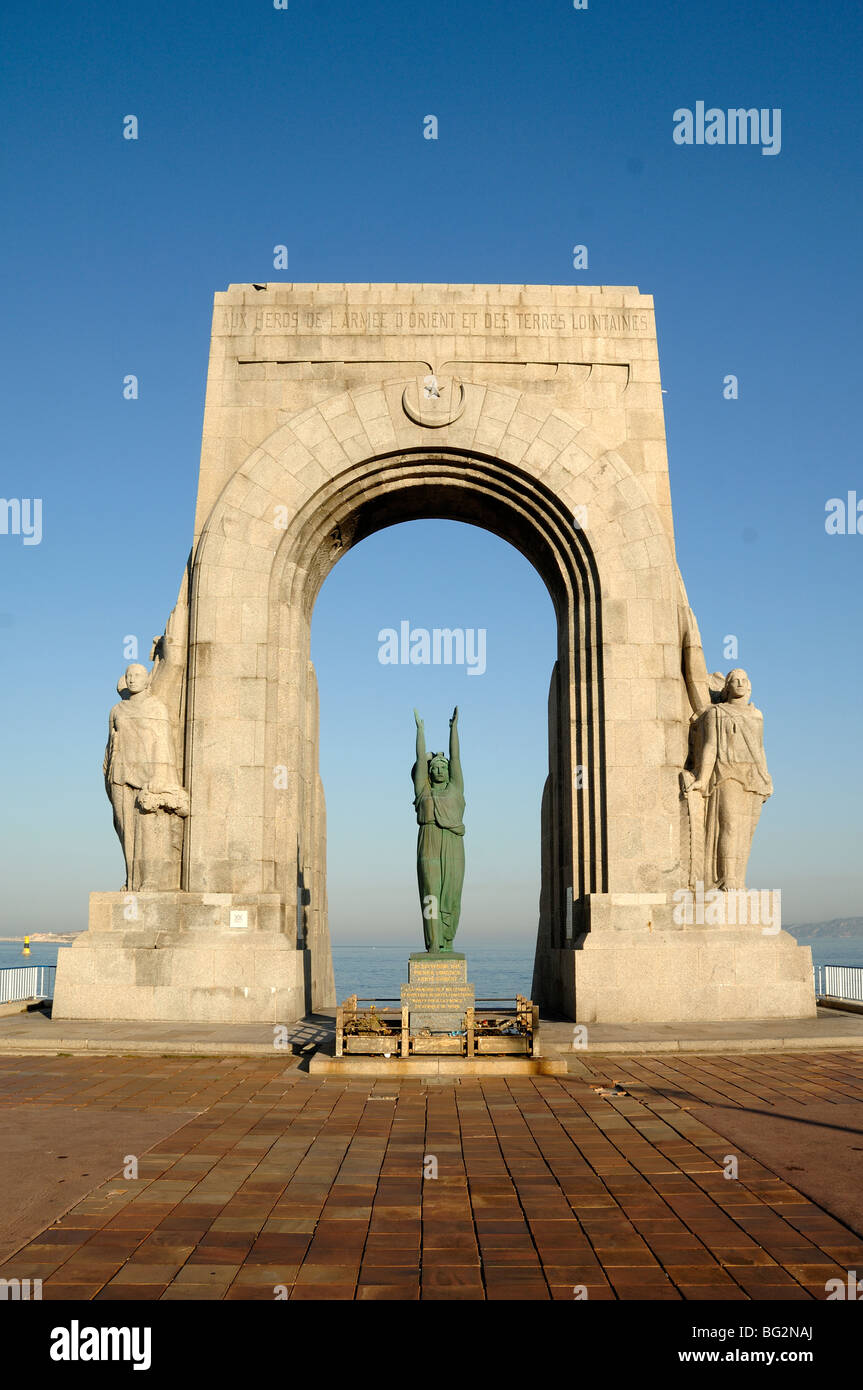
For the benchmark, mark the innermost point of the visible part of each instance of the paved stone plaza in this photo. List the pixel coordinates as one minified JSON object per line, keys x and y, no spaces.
{"x":265,"y":1176}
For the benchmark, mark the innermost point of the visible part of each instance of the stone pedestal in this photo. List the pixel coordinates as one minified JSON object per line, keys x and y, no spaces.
{"x":636,"y":964}
{"x":438,"y":994}
{"x":207,"y":957}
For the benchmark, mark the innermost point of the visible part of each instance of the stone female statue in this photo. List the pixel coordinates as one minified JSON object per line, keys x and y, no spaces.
{"x":142,"y":771}
{"x":439,"y":804}
{"x":730,"y":770}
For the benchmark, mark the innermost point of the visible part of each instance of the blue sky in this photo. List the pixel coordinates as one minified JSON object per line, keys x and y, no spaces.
{"x":304,"y":127}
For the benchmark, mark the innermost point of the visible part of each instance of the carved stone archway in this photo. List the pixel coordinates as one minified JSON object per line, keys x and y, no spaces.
{"x":332,"y":411}
{"x":314,"y":488}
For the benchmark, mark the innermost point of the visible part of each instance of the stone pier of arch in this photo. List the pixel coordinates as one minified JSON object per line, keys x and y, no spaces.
{"x":332,"y":411}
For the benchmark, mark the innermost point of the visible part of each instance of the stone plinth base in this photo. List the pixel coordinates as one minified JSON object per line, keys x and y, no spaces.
{"x":205,"y":957}
{"x":636,"y":965}
{"x":438,"y":994}
{"x":417,"y":1067}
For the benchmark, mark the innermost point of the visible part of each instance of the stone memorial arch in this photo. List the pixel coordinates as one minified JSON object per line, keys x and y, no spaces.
{"x":336,"y":410}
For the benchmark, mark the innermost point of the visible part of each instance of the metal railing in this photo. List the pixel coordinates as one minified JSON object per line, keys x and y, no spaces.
{"x":840,"y":982}
{"x":27,"y":982}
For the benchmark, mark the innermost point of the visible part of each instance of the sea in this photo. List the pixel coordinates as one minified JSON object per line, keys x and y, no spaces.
{"x":41,"y":953}
{"x":378,"y":972}
{"x":374,"y":972}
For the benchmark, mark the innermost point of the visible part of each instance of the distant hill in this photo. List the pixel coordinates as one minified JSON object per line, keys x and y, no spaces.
{"x":839,"y":929}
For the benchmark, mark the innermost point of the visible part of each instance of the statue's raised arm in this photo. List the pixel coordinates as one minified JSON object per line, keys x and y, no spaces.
{"x":421,"y":774}
{"x":169,"y":654}
{"x":455,"y":772}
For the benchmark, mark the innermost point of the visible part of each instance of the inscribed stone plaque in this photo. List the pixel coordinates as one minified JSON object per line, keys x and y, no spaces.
{"x":438,"y":993}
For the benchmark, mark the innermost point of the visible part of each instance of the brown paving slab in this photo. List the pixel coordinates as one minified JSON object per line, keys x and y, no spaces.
{"x":85,"y":1269}
{"x":389,"y":1275}
{"x":496,"y":1240}
{"x":130,"y":1293}
{"x":667,"y":1294}
{"x":712,"y":1274}
{"x":337,"y":1231}
{"x":21,"y":1267}
{"x":73,"y":1293}
{"x":444,"y":1258}
{"x":763,"y":1276}
{"x":211,"y":1276}
{"x":393,"y":1240}
{"x":441,"y":1295}
{"x":328,"y":1273}
{"x":131,"y":1273}
{"x":453,"y":1237}
{"x":679,"y":1253}
{"x":525,"y":1291}
{"x":786,"y":1292}
{"x":625,"y":1257}
{"x":451,"y":1276}
{"x":267,"y":1275}
{"x":214,"y":1257}
{"x":386,"y":1226}
{"x":711,"y":1293}
{"x":486,"y":1227}
{"x":239,"y":1293}
{"x":309,"y":1293}
{"x":191,"y":1293}
{"x":592,"y":1293}
{"x":401,"y":1292}
{"x":154,"y":1247}
{"x":279,"y":1246}
{"x":635,"y":1276}
{"x":333,"y":1259}
{"x":38,"y":1259}
{"x":732,"y":1257}
{"x":495,"y":1261}
{"x":394,"y":1256}
{"x":578,"y":1271}
{"x":285,"y":1225}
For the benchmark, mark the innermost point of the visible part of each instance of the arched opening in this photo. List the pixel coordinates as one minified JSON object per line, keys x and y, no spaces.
{"x":432,"y":614}
{"x":378,"y":492}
